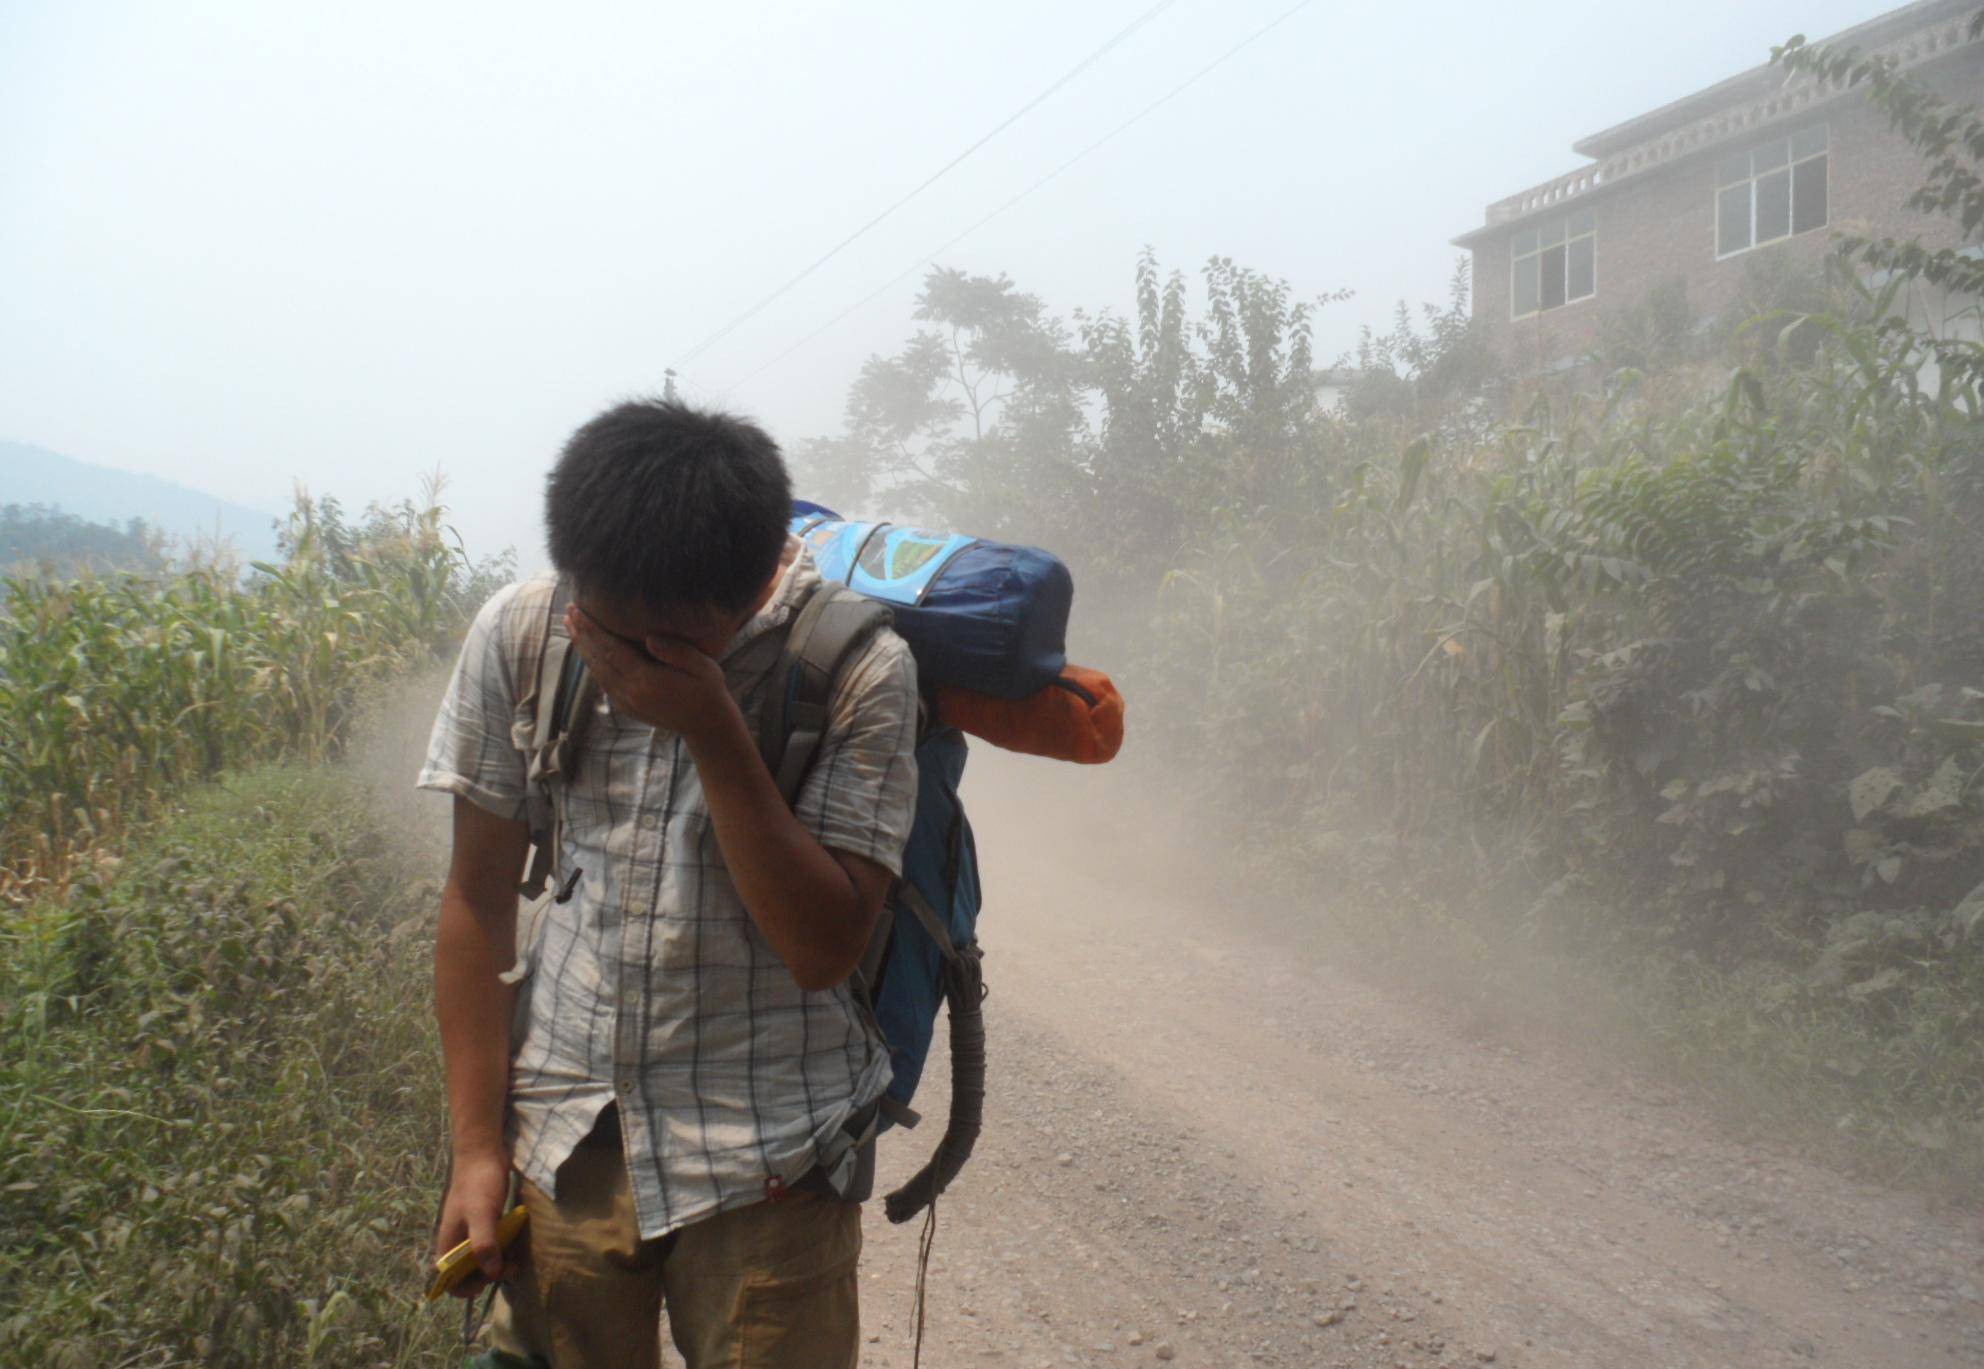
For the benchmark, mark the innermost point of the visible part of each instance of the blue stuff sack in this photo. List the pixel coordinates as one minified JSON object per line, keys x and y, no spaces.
{"x":979,"y":615}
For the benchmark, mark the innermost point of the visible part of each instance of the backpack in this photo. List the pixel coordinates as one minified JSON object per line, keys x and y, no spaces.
{"x":924,"y":952}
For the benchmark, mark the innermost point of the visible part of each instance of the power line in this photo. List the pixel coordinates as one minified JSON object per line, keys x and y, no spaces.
{"x":929,"y":257}
{"x":927,"y":182}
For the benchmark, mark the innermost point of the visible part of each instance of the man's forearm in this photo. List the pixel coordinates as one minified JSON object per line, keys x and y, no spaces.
{"x":472,"y":947}
{"x":816,"y":909}
{"x":800,"y":897}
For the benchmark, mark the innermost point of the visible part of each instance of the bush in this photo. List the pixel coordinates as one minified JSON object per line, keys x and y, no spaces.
{"x":221,"y":1126}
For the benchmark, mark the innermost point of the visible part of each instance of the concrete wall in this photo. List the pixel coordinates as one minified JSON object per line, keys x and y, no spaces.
{"x":1660,"y":226}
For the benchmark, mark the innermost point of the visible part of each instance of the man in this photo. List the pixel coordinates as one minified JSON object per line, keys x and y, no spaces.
{"x":690,"y":1068}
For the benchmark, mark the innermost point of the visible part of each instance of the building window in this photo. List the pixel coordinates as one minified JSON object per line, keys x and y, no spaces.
{"x":1553,"y":264}
{"x":1772,"y":191}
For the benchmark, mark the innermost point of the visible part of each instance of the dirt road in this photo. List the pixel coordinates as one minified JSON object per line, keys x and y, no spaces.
{"x":1208,"y":1146}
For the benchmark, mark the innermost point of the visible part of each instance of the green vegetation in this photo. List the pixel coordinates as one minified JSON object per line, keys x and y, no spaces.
{"x":220,"y":1114}
{"x":1673,"y":667}
{"x":221,"y":1125}
{"x":114,"y":692}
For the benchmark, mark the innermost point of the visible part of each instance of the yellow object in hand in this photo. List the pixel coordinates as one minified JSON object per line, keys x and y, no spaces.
{"x":459,"y":1263}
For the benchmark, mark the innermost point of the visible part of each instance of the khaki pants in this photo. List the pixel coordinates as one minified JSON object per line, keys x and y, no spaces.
{"x":769,"y":1286}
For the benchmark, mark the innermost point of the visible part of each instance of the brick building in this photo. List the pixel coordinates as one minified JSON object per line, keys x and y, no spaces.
{"x":1700,"y":191}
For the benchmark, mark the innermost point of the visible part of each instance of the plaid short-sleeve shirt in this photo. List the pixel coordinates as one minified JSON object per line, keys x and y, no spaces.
{"x":651,"y":986}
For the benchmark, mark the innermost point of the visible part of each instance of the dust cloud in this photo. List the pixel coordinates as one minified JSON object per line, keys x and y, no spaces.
{"x":388,"y":743}
{"x":1229,"y":1104}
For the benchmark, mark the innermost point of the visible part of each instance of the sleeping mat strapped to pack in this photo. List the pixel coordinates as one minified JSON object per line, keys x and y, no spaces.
{"x":985,"y":616}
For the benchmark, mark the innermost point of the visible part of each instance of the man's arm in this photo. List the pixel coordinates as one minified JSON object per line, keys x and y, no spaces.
{"x":815,"y":906}
{"x":474,"y":943}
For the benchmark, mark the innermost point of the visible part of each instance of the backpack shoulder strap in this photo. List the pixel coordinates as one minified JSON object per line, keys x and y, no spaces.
{"x":832,"y":625}
{"x":551,"y":664}
{"x":562,"y":697}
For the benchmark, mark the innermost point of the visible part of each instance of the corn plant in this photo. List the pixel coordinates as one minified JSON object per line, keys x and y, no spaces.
{"x":115,"y":691}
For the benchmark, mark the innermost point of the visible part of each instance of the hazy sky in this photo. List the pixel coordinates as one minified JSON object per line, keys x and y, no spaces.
{"x":246,"y":244}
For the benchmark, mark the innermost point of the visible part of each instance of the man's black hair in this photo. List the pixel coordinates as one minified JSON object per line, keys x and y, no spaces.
{"x":662,"y":505}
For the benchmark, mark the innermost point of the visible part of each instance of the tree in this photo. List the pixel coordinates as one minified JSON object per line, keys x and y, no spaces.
{"x":1950,"y":139}
{"x":993,"y":369}
{"x":39,"y":539}
{"x":1113,"y":440}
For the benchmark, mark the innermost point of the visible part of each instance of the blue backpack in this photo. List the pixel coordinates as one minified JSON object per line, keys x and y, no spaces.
{"x":981,"y":615}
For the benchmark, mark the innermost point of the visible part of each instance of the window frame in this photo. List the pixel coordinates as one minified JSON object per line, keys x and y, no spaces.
{"x":1749,"y":182}
{"x":1538,"y":249}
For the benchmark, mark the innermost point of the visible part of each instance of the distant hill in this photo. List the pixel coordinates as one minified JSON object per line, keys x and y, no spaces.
{"x":99,"y":494}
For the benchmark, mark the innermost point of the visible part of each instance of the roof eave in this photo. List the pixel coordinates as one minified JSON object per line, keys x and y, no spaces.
{"x":1474,"y":236}
{"x":1881,"y":28}
{"x":1638,"y":129}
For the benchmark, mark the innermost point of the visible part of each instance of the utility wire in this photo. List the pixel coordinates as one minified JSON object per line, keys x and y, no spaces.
{"x":928,"y":181}
{"x":929,"y":257}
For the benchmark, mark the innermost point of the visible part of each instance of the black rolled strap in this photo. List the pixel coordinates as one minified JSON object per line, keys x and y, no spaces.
{"x":964,"y":996}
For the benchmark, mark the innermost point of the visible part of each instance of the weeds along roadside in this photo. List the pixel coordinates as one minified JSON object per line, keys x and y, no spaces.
{"x":221,"y":1128}
{"x":220,"y":1125}
{"x":1658,"y":708}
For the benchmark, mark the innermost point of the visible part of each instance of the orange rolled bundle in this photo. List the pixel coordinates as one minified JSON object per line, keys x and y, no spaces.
{"x":1077,"y":718}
